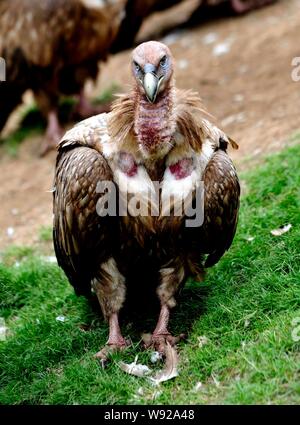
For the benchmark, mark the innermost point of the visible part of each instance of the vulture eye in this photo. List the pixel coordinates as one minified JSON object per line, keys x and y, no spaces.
{"x":136,"y":67}
{"x":163,"y":61}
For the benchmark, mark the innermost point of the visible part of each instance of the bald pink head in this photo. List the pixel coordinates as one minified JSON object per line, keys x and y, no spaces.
{"x":152,"y":67}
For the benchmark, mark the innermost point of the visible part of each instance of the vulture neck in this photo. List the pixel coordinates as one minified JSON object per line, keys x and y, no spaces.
{"x":155,"y":123}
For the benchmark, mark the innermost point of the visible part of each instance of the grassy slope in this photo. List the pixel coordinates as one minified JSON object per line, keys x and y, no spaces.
{"x":244,"y":308}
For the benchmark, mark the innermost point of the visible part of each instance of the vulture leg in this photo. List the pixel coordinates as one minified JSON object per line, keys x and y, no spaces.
{"x":171,"y":278}
{"x":54,"y":133}
{"x":110,"y":290}
{"x":115,"y":340}
{"x":84,"y":109}
{"x":161,"y":335}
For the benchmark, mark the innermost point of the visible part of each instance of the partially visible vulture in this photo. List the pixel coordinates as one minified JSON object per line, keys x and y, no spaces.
{"x":52,"y":47}
{"x":138,"y":10}
{"x":129,"y":192}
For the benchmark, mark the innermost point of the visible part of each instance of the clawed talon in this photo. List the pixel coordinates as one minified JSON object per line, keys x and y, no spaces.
{"x":159,"y":341}
{"x":108,"y":349}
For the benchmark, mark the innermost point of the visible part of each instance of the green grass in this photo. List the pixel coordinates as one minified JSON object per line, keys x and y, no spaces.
{"x":45,"y":234}
{"x":245,"y":309}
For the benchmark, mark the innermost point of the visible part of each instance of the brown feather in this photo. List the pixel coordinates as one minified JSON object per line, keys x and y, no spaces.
{"x":45,"y":51}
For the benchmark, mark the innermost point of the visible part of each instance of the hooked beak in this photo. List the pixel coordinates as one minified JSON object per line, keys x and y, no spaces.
{"x":151,"y":84}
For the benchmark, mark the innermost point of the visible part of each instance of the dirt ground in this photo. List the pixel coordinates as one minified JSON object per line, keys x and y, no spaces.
{"x":241,"y":66}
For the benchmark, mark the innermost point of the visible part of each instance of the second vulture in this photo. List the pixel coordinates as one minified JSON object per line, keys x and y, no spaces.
{"x":52,"y":47}
{"x":144,"y":195}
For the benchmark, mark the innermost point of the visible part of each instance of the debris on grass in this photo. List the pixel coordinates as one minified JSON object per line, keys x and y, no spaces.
{"x":155,"y":357}
{"x":281,"y":230}
{"x":170,"y":371}
{"x":246,"y":323}
{"x":135,"y":368}
{"x":140,"y":391}
{"x":202,"y":340}
{"x":3,"y":329}
{"x":216,"y":381}
{"x":198,"y":386}
{"x":61,"y":318}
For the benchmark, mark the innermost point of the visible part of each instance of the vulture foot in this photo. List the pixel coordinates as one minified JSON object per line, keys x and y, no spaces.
{"x":158,"y":341}
{"x":109,"y":348}
{"x":115,"y":342}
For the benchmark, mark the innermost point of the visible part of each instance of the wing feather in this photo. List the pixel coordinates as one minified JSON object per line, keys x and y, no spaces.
{"x":82,"y":239}
{"x":221,"y":203}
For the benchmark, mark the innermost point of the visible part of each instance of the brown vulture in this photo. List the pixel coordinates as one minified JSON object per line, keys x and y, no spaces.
{"x":138,"y":10}
{"x":109,"y":230}
{"x":52,"y":47}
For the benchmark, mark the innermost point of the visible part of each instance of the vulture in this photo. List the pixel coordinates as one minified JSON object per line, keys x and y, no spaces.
{"x":144,"y":194}
{"x":52,"y":47}
{"x":138,"y":10}
{"x":135,"y":13}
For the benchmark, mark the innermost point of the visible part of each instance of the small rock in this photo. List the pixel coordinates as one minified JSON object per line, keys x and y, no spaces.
{"x":222,"y":48}
{"x":210,"y":38}
{"x":10,"y":232}
{"x":183,"y":64}
{"x":240,"y":117}
{"x":238,"y":98}
{"x":243,"y":69}
{"x":171,"y":38}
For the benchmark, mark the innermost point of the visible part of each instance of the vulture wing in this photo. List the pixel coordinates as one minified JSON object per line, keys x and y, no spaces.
{"x":221,"y":204}
{"x":82,"y":239}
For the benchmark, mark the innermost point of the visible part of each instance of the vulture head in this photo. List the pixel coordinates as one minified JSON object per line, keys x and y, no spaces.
{"x":152,"y":67}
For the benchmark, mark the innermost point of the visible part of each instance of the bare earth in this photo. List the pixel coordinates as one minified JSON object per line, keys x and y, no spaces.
{"x":240,"y":66}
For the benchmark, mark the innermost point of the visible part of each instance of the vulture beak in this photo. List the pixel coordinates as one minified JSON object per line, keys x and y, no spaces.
{"x":151,"y":82}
